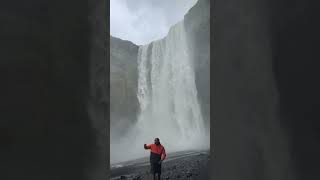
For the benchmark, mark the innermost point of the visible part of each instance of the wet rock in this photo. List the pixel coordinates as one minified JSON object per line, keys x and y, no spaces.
{"x":137,"y":177}
{"x":123,"y":177}
{"x":190,"y":167}
{"x":189,"y":174}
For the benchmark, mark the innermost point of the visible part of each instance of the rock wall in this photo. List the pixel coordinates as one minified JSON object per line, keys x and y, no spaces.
{"x":197,"y":23}
{"x":124,"y":104}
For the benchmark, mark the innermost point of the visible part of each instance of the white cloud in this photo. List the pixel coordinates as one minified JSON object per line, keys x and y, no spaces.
{"x":143,"y":21}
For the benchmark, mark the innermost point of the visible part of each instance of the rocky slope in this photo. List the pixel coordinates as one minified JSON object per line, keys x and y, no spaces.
{"x":182,"y":165}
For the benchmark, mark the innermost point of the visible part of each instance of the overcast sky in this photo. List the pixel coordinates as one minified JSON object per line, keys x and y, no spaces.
{"x":143,"y":21}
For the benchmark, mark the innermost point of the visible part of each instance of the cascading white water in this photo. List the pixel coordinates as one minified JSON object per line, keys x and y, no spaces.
{"x":167,"y":93}
{"x":169,"y":107}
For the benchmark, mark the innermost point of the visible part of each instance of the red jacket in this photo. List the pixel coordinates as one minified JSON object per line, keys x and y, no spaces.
{"x":157,"y":149}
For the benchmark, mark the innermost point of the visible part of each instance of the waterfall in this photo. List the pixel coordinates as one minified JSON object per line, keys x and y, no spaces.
{"x":167,"y":94}
{"x":169,"y":107}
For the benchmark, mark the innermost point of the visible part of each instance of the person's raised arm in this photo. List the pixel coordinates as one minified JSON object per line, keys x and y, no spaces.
{"x":146,"y":146}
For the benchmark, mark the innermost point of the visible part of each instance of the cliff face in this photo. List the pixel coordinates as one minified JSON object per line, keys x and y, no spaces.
{"x":197,"y":24}
{"x":124,"y":104}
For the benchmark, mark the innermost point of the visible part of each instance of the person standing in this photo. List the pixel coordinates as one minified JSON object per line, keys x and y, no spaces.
{"x":157,"y":155}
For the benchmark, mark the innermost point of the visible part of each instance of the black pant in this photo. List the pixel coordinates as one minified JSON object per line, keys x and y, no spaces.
{"x":155,"y":168}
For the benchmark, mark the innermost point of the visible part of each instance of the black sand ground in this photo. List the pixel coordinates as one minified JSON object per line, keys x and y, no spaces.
{"x":183,"y":165}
